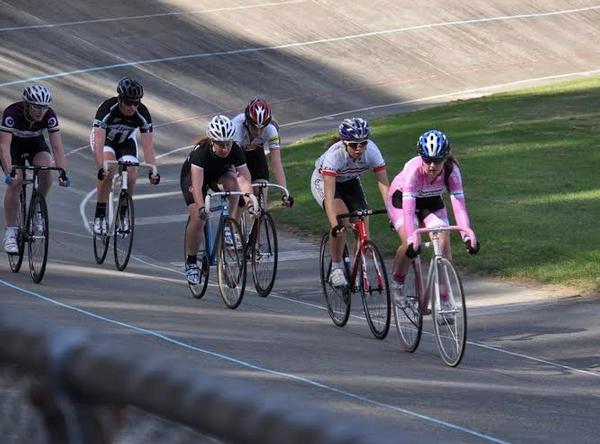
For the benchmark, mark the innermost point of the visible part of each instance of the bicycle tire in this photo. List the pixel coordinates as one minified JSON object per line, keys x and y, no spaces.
{"x":123,"y":235}
{"x":338,"y":300}
{"x":37,"y":236}
{"x":449,"y":314}
{"x":197,"y":290}
{"x":231,"y":263}
{"x":407,"y":315}
{"x":375,"y":290}
{"x":264,"y":253}
{"x":15,"y":260}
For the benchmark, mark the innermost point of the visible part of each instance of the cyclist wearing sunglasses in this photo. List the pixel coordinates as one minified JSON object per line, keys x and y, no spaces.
{"x":218,"y":163}
{"x":415,"y":198}
{"x":256,"y":132}
{"x":118,"y":122}
{"x":22,"y":140}
{"x":335,"y":182}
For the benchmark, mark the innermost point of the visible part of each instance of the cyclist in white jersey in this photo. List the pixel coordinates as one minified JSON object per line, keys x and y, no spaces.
{"x":256,"y":132}
{"x":335,"y":182}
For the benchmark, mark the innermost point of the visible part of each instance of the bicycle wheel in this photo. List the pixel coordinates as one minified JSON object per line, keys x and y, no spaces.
{"x":15,"y":260}
{"x":337,"y":299}
{"x":231,"y":263}
{"x":449,"y":314}
{"x":375,"y":291}
{"x":263,"y":245}
{"x":408,"y":317}
{"x":198,"y":290}
{"x":123,"y":235}
{"x":37,"y":236}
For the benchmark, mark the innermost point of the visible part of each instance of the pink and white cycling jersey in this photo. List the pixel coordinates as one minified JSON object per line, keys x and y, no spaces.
{"x":414,"y":184}
{"x":336,"y":162}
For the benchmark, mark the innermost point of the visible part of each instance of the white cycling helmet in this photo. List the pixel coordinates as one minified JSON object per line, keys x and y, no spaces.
{"x":220,"y":129}
{"x":37,"y":95}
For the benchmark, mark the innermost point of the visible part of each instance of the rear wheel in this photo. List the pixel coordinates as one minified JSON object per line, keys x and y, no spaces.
{"x":123,"y":232}
{"x":231,"y":263}
{"x":408,"y":317}
{"x":263,"y":244}
{"x":337,"y":299}
{"x":450,"y":315}
{"x":15,"y":260}
{"x":375,"y":291}
{"x":199,"y":289}
{"x":37,"y":236}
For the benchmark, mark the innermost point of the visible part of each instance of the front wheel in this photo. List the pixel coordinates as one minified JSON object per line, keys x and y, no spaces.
{"x":263,"y":254}
{"x":449,"y":313}
{"x":123,"y":230}
{"x":337,"y":299}
{"x":15,"y":260}
{"x":37,"y":236}
{"x":408,"y":317}
{"x":375,"y":291}
{"x":231,"y":263}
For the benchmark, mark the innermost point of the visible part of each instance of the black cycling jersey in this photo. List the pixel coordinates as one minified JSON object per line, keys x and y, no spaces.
{"x":15,"y":121}
{"x":118,"y":126}
{"x":213,"y":166}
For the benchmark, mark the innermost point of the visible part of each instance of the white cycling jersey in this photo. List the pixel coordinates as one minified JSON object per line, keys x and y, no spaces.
{"x":269,"y":138}
{"x":336,"y":162}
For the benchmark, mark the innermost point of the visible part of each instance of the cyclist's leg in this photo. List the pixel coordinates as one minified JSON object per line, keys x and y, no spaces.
{"x":128,"y":151}
{"x":40,"y":156}
{"x":228,"y":182}
{"x":103,"y":186}
{"x":11,"y":196}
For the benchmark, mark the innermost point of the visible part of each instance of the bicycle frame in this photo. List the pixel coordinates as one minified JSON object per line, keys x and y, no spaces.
{"x":432,"y":272}
{"x":122,"y":174}
{"x":211,"y":245}
{"x":260,"y":189}
{"x":360,"y":228}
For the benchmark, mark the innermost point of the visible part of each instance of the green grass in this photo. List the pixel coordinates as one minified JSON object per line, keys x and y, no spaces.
{"x":530,"y":161}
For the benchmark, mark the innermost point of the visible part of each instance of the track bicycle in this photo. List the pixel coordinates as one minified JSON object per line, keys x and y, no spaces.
{"x":32,"y":223}
{"x":226,"y":249}
{"x":366,"y":274}
{"x":261,"y":237}
{"x":120,"y":217}
{"x":444,"y":291}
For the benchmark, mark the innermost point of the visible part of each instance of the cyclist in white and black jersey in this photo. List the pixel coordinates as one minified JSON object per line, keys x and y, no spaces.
{"x":218,"y":163}
{"x":114,"y":137}
{"x":336,"y":186}
{"x":255,"y":132}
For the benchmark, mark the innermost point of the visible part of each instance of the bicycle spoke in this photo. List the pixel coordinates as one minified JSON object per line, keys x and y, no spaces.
{"x":123,"y":230}
{"x":15,"y":260}
{"x":231,"y":263}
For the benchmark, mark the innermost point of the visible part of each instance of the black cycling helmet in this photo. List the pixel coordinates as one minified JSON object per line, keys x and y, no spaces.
{"x":130,"y":89}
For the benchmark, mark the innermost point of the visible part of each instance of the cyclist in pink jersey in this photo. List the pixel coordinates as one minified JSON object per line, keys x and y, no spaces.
{"x":415,"y":198}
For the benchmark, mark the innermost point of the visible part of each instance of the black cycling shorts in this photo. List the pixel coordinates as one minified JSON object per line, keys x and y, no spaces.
{"x":351,"y":192}
{"x":256,"y":160}
{"x":424,"y":205}
{"x":24,"y":150}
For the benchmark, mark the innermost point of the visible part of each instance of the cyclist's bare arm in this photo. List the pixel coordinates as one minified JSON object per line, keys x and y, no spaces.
{"x":382,"y":183}
{"x":277,"y":166}
{"x":99,"y":138}
{"x":58,"y":150}
{"x":5,"y":140}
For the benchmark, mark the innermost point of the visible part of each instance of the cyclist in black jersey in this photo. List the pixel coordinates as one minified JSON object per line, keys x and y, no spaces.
{"x":22,"y":140}
{"x":114,"y":137}
{"x":218,"y":163}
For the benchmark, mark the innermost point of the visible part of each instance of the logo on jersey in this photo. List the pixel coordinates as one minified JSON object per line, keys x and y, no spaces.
{"x":52,"y":122}
{"x":9,"y":122}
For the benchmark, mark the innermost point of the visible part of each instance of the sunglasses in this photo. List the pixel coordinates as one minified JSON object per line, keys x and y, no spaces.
{"x":436,"y":160}
{"x":38,"y":107}
{"x":356,"y":145}
{"x":223,"y":144}
{"x":131,"y":102}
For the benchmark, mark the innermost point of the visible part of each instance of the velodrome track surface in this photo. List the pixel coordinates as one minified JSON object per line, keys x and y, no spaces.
{"x":530,"y":373}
